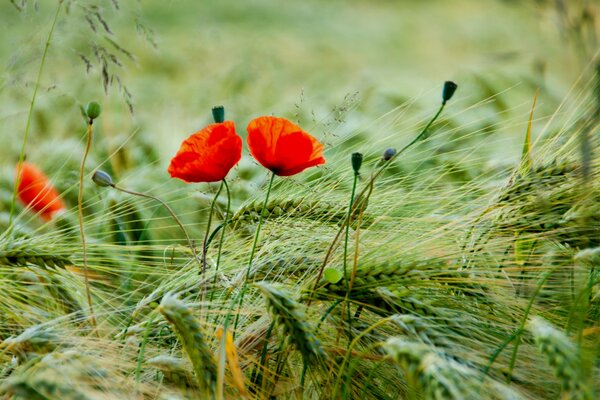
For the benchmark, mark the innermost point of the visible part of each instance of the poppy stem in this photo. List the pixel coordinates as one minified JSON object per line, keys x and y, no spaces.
{"x":173,"y":215}
{"x":348,"y":284}
{"x":222,"y":239}
{"x":81,"y":228}
{"x":364,"y":194}
{"x":252,"y":252}
{"x":30,"y":113}
{"x":208,"y":224}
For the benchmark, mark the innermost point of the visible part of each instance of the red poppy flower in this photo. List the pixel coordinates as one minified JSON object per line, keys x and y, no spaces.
{"x":282,"y":146}
{"x":207,"y":155}
{"x":36,"y":192}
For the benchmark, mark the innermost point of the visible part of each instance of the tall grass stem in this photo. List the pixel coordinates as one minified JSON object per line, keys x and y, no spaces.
{"x":30,"y":113}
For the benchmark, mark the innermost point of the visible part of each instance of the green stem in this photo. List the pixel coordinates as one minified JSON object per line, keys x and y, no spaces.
{"x":240,"y":297}
{"x":138,"y":368}
{"x":222,"y":239}
{"x":256,"y":377}
{"x":227,"y":210}
{"x":30,"y":113}
{"x":208,"y":224}
{"x":80,"y":218}
{"x":513,"y":358}
{"x":368,"y":189}
{"x":348,"y":288}
{"x":173,"y":215}
{"x":349,"y":351}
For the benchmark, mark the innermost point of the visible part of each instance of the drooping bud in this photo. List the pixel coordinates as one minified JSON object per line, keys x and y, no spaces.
{"x":357,"y":159}
{"x":92,"y":110}
{"x":218,"y":113}
{"x":388,"y":154}
{"x":448,"y":92}
{"x":102,"y":178}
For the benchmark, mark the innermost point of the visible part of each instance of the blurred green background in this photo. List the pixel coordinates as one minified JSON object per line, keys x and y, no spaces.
{"x":334,"y":66}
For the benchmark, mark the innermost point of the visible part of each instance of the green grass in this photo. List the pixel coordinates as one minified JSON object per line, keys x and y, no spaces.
{"x":474,"y":277}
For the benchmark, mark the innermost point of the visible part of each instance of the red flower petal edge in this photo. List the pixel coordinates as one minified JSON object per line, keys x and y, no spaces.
{"x":37,"y":193}
{"x":208,"y":155}
{"x":282,"y":146}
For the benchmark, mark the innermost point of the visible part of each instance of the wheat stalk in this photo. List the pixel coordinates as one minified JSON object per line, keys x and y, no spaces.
{"x":288,"y":315}
{"x":193,"y":341}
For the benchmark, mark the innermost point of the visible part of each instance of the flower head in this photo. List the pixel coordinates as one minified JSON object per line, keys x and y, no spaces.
{"x":207,"y":155}
{"x":282,"y":146}
{"x":36,"y":192}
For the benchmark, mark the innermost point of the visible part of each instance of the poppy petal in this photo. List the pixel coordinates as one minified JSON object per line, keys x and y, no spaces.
{"x":283,"y":147}
{"x":37,"y":193}
{"x":208,"y":155}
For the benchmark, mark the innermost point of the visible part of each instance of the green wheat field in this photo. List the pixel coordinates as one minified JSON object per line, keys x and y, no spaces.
{"x":466,"y":266}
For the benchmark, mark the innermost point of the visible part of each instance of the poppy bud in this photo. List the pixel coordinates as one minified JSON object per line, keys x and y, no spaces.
{"x":218,"y":113}
{"x":448,"y":92}
{"x":92,"y":110}
{"x":357,"y":159}
{"x":102,"y":178}
{"x":388,"y":154}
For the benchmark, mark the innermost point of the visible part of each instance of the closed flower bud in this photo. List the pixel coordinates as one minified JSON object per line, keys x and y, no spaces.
{"x":102,"y":178}
{"x":92,"y":110}
{"x":218,"y":113}
{"x":357,"y":159}
{"x":448,"y":92}
{"x":388,"y":154}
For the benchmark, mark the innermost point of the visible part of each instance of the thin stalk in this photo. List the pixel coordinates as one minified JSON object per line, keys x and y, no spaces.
{"x":208,"y":224}
{"x":256,"y":377}
{"x":140,"y":359}
{"x":520,"y":330}
{"x":80,"y":217}
{"x":222,"y":239}
{"x":173,"y":215}
{"x":252,"y":252}
{"x":349,"y":351}
{"x":30,"y":113}
{"x":368,"y":189}
{"x":348,"y":288}
{"x":227,"y":210}
{"x":222,"y":358}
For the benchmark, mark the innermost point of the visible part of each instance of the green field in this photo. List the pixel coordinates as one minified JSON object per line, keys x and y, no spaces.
{"x":465,"y":267}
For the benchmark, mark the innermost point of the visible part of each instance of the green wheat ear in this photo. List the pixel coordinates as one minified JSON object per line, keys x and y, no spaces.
{"x":438,"y":377}
{"x":193,"y":340}
{"x":562,"y":355}
{"x":288,"y":315}
{"x":301,"y":208}
{"x":34,"y":341}
{"x":22,"y":253}
{"x":175,"y":370}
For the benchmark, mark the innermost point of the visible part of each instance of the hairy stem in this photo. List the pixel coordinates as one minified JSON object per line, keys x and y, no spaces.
{"x":208,"y":224}
{"x":80,"y":217}
{"x":360,"y":198}
{"x":173,"y":215}
{"x":348,"y":287}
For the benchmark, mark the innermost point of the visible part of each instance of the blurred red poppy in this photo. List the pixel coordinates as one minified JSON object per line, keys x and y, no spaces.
{"x":207,"y":155}
{"x":36,"y":192}
{"x":282,"y":146}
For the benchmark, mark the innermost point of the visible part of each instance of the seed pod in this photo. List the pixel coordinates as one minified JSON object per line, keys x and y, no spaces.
{"x":448,"y":92}
{"x":102,"y":178}
{"x":388,"y":154}
{"x":92,"y":110}
{"x":357,"y":159}
{"x":218,"y":113}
